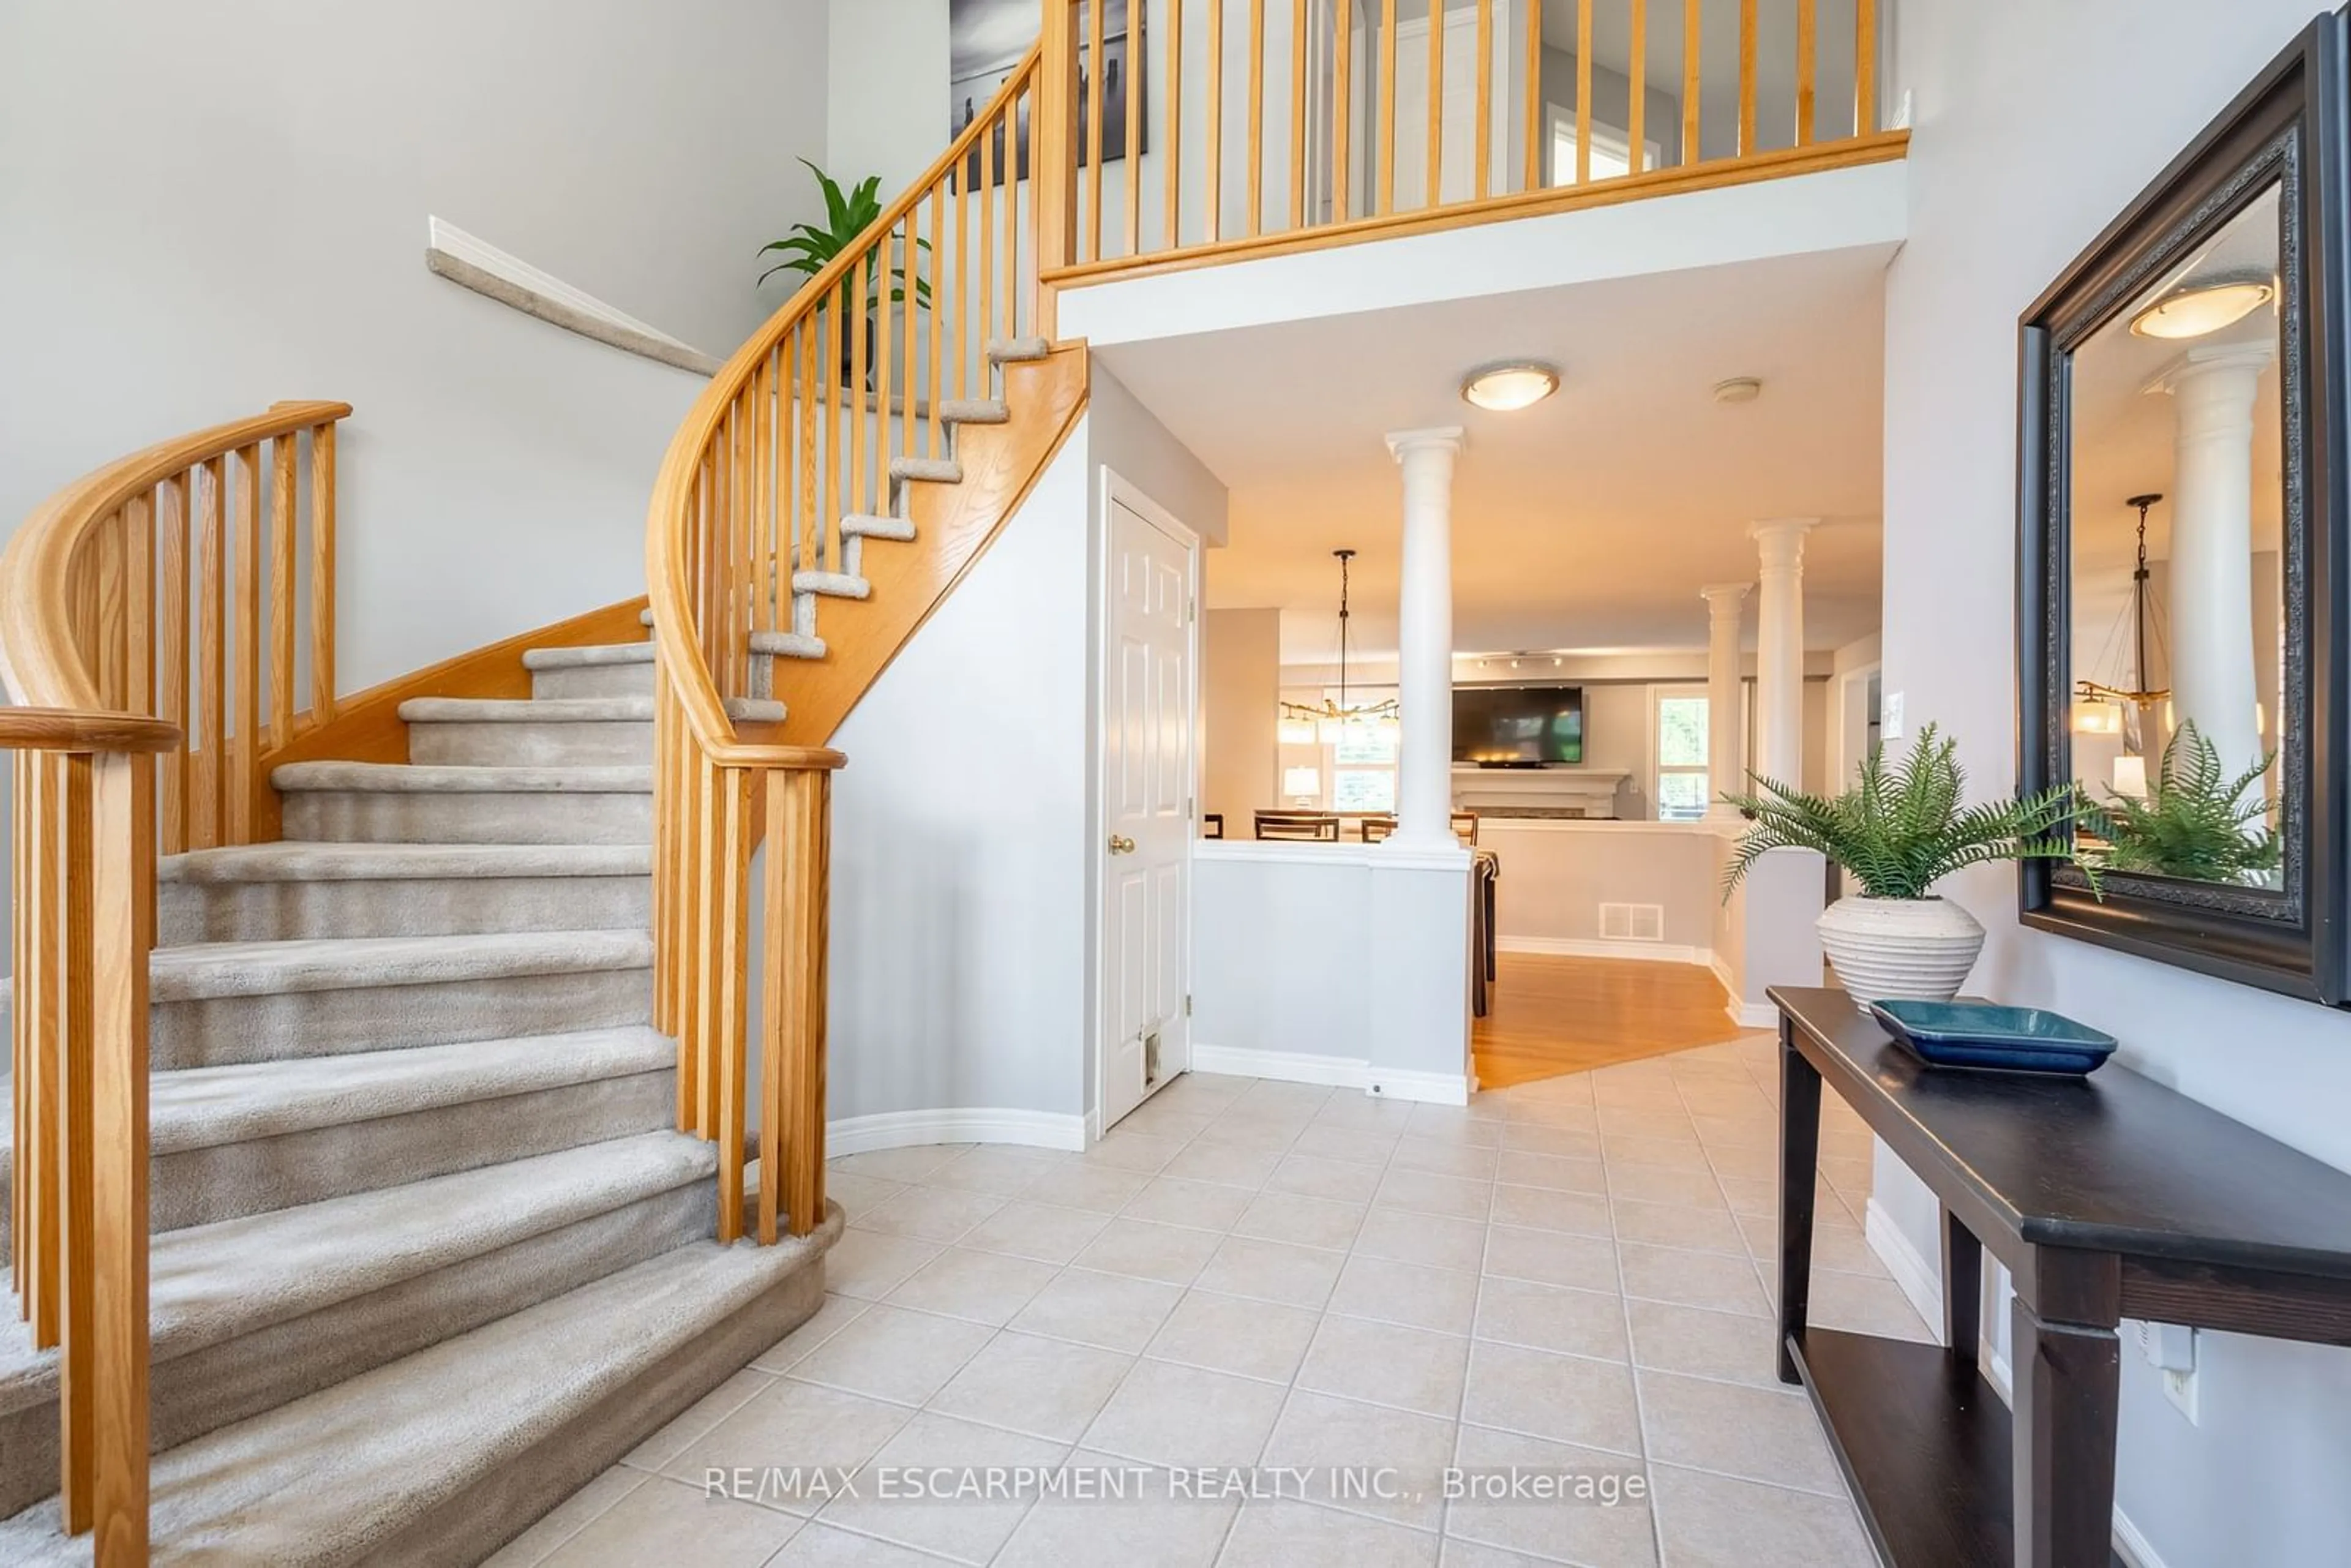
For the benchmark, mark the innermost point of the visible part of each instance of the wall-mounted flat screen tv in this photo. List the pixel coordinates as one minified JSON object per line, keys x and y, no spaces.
{"x":1518,"y":727}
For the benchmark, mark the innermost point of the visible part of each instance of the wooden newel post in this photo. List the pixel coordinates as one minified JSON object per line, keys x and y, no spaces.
{"x":122,"y":934}
{"x":798,"y":892}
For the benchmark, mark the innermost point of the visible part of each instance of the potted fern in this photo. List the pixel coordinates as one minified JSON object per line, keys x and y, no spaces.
{"x":809,"y":248}
{"x":1899,"y":832}
{"x":2192,"y":823}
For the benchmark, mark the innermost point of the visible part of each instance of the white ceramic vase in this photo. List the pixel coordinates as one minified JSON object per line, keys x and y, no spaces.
{"x":1910,"y":947}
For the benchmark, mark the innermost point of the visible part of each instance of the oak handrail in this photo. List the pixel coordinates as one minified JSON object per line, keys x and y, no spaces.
{"x":774,"y":481}
{"x":80,"y":730}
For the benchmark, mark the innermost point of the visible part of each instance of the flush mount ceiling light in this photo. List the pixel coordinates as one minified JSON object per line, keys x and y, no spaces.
{"x":2204,"y":306}
{"x":1509,"y":386}
{"x":1738,"y":389}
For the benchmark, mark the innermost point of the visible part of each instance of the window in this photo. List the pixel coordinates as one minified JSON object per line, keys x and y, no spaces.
{"x":1612,"y":150}
{"x":1683,"y":790}
{"x":1363,"y":768}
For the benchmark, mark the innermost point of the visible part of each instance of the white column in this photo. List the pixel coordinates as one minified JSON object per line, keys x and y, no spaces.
{"x":1425,"y":640}
{"x":1779,"y":650}
{"x":1725,"y":770}
{"x":2210,"y":579}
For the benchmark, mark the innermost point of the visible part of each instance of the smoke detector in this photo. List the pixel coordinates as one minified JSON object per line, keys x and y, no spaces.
{"x":1738,"y":389}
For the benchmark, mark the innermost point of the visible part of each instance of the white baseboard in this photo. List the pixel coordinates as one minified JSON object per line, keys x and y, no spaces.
{"x":1595,"y":948}
{"x":1751,"y":1015}
{"x":1921,"y":1282}
{"x":905,"y":1129}
{"x":1337,"y":1072}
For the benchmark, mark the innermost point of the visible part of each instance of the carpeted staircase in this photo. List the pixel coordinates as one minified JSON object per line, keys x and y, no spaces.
{"x":428,"y":1253}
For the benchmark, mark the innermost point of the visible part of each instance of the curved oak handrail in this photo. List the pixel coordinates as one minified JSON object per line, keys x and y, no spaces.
{"x":38,"y":657}
{"x":667,"y":567}
{"x":79,"y":730}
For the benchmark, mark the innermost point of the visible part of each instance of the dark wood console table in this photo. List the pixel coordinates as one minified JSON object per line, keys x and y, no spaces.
{"x":2106,"y":1198}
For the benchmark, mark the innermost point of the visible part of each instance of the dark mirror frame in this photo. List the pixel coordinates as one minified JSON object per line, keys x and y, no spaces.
{"x":2287,"y":129}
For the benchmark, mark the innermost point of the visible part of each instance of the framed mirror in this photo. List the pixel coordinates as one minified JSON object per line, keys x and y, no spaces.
{"x":2181,"y":573}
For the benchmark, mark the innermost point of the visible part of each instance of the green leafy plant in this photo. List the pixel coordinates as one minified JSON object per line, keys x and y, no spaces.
{"x":1899,"y":831}
{"x":810,"y":248}
{"x":2193,"y":823}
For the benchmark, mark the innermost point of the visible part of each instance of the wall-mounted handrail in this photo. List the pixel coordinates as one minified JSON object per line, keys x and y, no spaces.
{"x":785,"y":466}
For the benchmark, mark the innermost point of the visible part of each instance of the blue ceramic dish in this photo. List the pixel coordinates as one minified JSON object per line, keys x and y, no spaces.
{"x":1998,"y":1039}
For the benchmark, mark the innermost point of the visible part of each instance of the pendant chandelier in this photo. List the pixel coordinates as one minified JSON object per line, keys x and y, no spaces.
{"x":1330,"y":718}
{"x":2101,"y":709}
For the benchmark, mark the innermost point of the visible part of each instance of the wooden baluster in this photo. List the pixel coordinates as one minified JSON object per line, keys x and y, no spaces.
{"x":122,"y":936}
{"x":1216,"y":149}
{"x":1745,"y":78}
{"x":1171,"y":157}
{"x":1052,"y":155}
{"x":1298,"y":114}
{"x":322,"y":572}
{"x":935,"y":444}
{"x":962,"y":275}
{"x":759,"y":497}
{"x":732,"y":1013}
{"x":1343,"y":109}
{"x":773,"y":524}
{"x":1536,"y":127}
{"x":1006,"y":173}
{"x":1485,"y":128}
{"x":105,"y":582}
{"x":25,"y":900}
{"x":212,"y":675}
{"x":1807,"y":49}
{"x":828,"y":432}
{"x":804,"y":408}
{"x":1135,"y":63}
{"x":281,"y":590}
{"x":36,"y":1004}
{"x":1636,"y":113}
{"x":1384,"y":125}
{"x":173,"y":692}
{"x":1093,"y":133}
{"x":983,"y":160}
{"x":1865,"y":66}
{"x":853,"y":492}
{"x":1583,"y":91}
{"x":1692,"y":88}
{"x":248,"y":748}
{"x":139,"y":603}
{"x":662,"y":947}
{"x":77,"y":1146}
{"x":884,"y":425}
{"x":791,"y":1120}
{"x":1434,"y":196}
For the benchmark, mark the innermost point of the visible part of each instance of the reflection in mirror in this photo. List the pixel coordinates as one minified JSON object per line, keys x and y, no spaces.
{"x":2178,"y":603}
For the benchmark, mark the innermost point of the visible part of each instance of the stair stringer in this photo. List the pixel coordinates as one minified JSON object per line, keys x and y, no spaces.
{"x":953,"y":525}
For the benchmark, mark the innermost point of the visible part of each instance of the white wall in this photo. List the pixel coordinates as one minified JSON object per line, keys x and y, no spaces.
{"x":1556,"y":874}
{"x":1240,"y":693}
{"x":886,"y":109}
{"x":208,"y":208}
{"x":961,"y":864}
{"x":2053,"y":117}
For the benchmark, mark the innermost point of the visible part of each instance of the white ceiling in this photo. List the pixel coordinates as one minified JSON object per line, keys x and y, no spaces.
{"x":1588,"y":522}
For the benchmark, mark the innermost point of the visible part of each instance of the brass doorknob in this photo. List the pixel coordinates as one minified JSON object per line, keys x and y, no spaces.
{"x":1120,"y":844}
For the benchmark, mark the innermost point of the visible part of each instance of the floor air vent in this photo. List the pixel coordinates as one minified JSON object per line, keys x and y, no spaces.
{"x":1632,"y":922}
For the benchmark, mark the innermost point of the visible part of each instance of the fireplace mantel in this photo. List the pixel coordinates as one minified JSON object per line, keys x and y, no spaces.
{"x":1591,"y":790}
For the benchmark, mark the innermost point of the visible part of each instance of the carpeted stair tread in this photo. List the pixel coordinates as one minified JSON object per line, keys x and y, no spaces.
{"x":975,"y":410}
{"x":788,"y":645}
{"x":409,"y":778}
{"x":209,"y":969}
{"x":297,"y":861}
{"x":931,"y":470}
{"x":332,"y":1477}
{"x":210,"y":1283}
{"x":589,"y":656}
{"x":1018,"y":350}
{"x":204,"y":1107}
{"x":831,"y":584}
{"x":872,"y":527}
{"x":527,"y":710}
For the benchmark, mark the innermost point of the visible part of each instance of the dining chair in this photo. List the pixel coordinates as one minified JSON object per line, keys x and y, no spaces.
{"x":1376,"y":826}
{"x":1303,"y":827}
{"x":1465,"y":826}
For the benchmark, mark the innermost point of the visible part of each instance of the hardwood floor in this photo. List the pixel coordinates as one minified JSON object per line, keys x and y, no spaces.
{"x":1550,"y":1015}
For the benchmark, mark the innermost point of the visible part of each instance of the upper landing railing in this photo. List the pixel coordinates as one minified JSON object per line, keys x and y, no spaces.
{"x":1269,"y":126}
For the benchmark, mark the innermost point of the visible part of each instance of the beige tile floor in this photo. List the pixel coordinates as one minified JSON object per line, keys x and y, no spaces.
{"x":1571,"y":1275}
